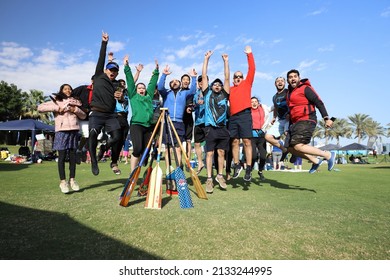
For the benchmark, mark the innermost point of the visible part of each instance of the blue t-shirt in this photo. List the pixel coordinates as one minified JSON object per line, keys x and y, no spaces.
{"x":216,"y":107}
{"x":199,"y":109}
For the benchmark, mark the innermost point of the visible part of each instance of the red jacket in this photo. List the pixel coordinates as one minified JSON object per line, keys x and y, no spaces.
{"x":240,"y":96}
{"x":303,"y":101}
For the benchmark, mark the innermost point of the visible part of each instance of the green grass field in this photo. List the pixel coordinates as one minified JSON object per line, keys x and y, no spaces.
{"x":341,"y":215}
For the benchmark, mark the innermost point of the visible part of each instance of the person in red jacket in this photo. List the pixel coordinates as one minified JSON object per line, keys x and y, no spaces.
{"x":240,"y":121}
{"x":302,"y":101}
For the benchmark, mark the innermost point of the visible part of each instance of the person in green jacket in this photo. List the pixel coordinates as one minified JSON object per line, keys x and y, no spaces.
{"x":142,"y":111}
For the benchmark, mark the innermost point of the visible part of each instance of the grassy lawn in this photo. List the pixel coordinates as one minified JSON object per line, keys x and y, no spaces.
{"x":327,"y":215}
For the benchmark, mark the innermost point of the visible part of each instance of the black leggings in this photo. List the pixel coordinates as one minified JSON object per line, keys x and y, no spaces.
{"x":259,"y":151}
{"x":140,"y":136}
{"x":72,"y":163}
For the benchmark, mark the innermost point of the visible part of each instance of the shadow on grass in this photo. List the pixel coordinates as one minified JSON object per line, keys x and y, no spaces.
{"x":13,"y":166}
{"x":120,"y":181}
{"x":31,"y":234}
{"x":279,"y":185}
{"x":381,"y":167}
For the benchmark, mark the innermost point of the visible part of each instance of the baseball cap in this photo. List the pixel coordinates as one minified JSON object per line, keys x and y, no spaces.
{"x":217,"y":81}
{"x":112,"y":65}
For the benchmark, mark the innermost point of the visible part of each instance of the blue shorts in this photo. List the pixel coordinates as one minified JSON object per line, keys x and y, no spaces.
{"x":180,"y":129}
{"x":240,"y":125}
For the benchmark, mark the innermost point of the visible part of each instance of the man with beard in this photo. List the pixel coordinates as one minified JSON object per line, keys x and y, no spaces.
{"x":280,"y":119}
{"x":302,"y":101}
{"x":174,"y":99}
{"x":216,"y":106}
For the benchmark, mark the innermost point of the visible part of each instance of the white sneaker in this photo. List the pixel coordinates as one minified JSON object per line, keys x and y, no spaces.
{"x":64,"y":187}
{"x":74,"y":186}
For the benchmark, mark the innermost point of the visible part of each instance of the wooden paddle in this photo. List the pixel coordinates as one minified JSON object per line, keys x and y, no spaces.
{"x":154,"y":196}
{"x":132,"y":180}
{"x":179,"y":176}
{"x":195,"y":179}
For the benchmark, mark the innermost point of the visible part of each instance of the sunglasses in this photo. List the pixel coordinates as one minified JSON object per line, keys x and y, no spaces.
{"x":238,"y":76}
{"x":217,"y":84}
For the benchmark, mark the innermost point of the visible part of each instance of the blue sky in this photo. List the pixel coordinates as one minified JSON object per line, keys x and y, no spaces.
{"x":341,"y":46}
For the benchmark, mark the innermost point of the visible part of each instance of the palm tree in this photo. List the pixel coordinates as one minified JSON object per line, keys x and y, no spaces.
{"x":374,"y":129}
{"x":322,"y":131}
{"x":317,"y":133}
{"x":30,"y":106}
{"x":359,"y":123}
{"x":340,"y":128}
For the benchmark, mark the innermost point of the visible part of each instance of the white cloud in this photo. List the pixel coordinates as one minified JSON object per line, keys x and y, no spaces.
{"x":317,"y":12}
{"x":264,"y":76}
{"x":321,"y":67}
{"x":45,"y":70}
{"x":193,"y":50}
{"x":185,"y":38}
{"x":170,"y":58}
{"x":115,"y":46}
{"x":306,"y":64}
{"x":386,"y":12}
{"x":11,"y":54}
{"x":358,"y":61}
{"x":48,"y":57}
{"x":329,"y":48}
{"x":242,"y":39}
{"x":277,"y":41}
{"x":219,"y":47}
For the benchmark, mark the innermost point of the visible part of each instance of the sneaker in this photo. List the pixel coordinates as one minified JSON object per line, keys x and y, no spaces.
{"x":221,"y":181}
{"x":237,"y":170}
{"x":74,"y":186}
{"x":314,"y":167}
{"x":331,"y":161}
{"x":95,"y":168}
{"x":209,"y":186}
{"x":262,"y":178}
{"x":115,"y":168}
{"x":248,"y":174}
{"x":64,"y":187}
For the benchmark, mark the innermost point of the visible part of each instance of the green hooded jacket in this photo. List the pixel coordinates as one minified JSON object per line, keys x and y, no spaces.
{"x":141,"y":106}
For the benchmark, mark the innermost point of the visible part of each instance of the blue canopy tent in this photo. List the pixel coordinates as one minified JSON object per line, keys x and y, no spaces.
{"x":27,"y":124}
